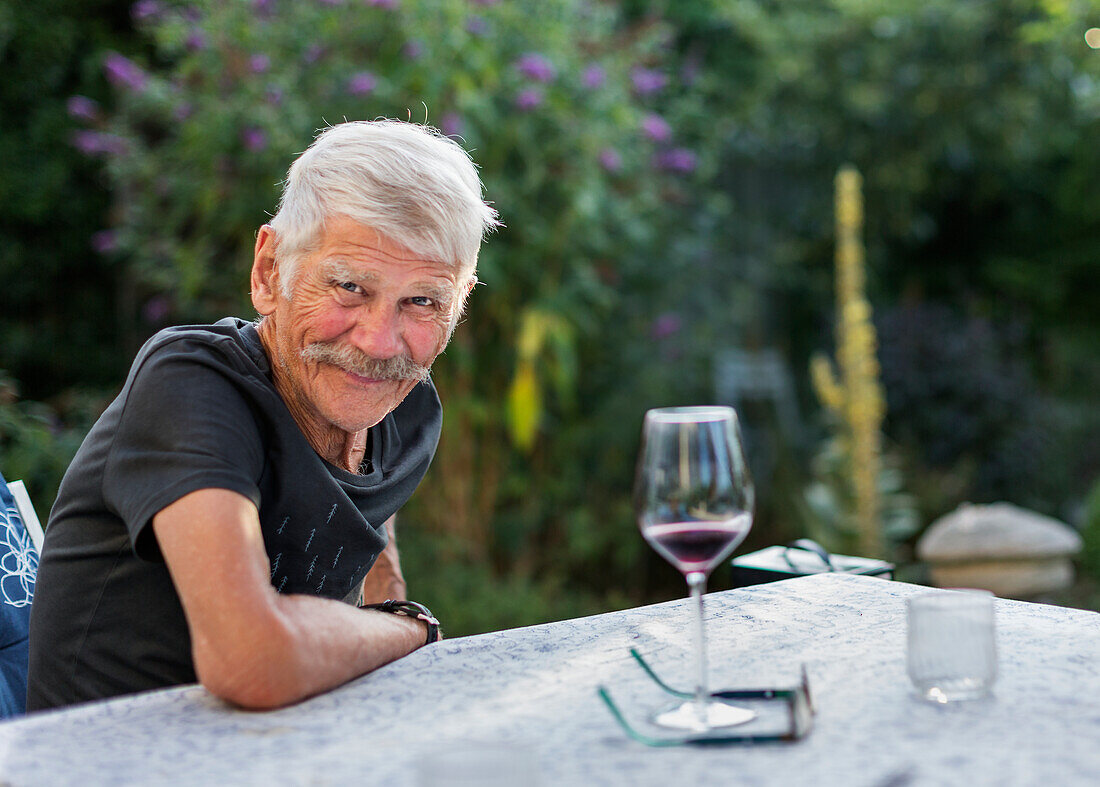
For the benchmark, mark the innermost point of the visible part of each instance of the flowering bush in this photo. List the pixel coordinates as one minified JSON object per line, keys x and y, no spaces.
{"x":604,"y":295}
{"x":570,"y":118}
{"x":557,"y":113}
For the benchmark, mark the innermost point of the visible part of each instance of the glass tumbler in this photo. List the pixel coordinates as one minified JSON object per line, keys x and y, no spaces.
{"x":952,"y":651}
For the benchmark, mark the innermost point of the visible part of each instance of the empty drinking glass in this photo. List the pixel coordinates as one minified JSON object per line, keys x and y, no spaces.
{"x":952,"y":651}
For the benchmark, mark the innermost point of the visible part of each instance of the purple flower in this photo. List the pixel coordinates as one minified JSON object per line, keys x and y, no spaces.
{"x":104,"y":241}
{"x":362,"y":83}
{"x":389,"y":5}
{"x":86,"y":142}
{"x":196,"y":40}
{"x":155,"y":309}
{"x":254,"y":139}
{"x":183,"y":111}
{"x":123,"y":72}
{"x":145,"y":9}
{"x":647,"y":81}
{"x":656,"y":128}
{"x":274,"y":95}
{"x":476,"y":26}
{"x":594,"y":77}
{"x":535,"y":66}
{"x":679,"y":160}
{"x":313,"y":54}
{"x":258,"y":64}
{"x":528,"y":98}
{"x":83,"y":108}
{"x":331,"y":2}
{"x":95,"y":143}
{"x":413,"y":49}
{"x":610,"y":160}
{"x":451,"y":124}
{"x":665,"y":325}
{"x":262,"y":7}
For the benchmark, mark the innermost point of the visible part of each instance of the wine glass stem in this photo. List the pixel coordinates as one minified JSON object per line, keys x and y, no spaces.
{"x":697,"y":582}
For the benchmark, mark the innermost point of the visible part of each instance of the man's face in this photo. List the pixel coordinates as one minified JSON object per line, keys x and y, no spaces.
{"x":366,"y":320}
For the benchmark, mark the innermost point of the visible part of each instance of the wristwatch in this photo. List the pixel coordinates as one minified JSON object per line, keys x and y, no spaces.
{"x":409,"y":609}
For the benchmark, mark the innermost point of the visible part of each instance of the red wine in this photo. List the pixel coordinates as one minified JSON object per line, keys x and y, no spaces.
{"x":697,"y":546}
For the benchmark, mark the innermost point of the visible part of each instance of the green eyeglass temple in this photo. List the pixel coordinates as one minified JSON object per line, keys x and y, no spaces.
{"x":800,"y":713}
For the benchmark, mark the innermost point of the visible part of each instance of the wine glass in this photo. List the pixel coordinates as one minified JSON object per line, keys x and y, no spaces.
{"x":694,"y":501}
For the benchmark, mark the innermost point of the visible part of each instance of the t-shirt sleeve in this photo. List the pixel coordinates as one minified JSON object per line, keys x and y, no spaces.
{"x":186,"y":425}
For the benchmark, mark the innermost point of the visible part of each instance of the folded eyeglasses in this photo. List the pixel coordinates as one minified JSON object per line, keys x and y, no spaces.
{"x":784,"y":714}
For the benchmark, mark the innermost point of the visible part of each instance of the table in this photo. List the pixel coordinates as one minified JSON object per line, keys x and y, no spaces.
{"x":527,"y":697}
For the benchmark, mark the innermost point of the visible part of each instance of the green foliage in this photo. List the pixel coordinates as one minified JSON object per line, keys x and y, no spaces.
{"x":626,"y":261}
{"x":571,"y":116}
{"x":972,"y":418}
{"x":973,"y":125}
{"x":966,"y":119}
{"x":1090,"y":533}
{"x":36,"y":446}
{"x":470,"y":597}
{"x":57,"y":296}
{"x":830,"y":507}
{"x":540,"y":92}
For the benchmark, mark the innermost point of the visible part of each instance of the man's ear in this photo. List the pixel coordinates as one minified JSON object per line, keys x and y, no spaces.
{"x":265,"y":276}
{"x":467,"y":288}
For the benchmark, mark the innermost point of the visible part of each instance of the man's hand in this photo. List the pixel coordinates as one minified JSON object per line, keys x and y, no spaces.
{"x":252,"y":646}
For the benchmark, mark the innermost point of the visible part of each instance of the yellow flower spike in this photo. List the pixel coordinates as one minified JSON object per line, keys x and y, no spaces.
{"x":857,"y":397}
{"x":825,"y":384}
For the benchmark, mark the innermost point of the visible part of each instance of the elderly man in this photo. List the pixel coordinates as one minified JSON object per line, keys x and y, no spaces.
{"x":244,"y":481}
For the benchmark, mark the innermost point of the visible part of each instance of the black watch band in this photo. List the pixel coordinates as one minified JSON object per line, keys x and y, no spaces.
{"x":409,"y":609}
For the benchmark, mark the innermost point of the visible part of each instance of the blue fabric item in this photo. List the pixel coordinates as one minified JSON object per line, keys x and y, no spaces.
{"x":18,"y":567}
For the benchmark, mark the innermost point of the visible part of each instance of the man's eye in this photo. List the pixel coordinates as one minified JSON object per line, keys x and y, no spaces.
{"x":350,"y":286}
{"x":421,"y":300}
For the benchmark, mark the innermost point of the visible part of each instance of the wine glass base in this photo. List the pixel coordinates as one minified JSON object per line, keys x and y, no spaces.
{"x":686,"y":716}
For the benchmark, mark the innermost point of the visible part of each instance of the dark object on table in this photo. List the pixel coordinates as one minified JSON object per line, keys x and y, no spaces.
{"x":798,"y":559}
{"x":782,"y":715}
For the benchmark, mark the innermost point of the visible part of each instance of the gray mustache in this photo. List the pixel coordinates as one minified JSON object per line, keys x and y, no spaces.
{"x":400,"y":367}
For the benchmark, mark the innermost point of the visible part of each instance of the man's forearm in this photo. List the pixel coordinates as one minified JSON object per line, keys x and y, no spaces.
{"x":251,"y":645}
{"x":319,"y":644}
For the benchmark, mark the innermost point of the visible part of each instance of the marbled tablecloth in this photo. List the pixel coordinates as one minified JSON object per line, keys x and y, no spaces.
{"x":522,"y":705}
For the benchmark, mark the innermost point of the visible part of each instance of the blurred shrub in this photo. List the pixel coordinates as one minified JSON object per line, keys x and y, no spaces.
{"x":574,"y":119}
{"x":58,"y":324}
{"x":37,"y":441}
{"x":965,"y":407}
{"x":972,"y":124}
{"x":830,"y":507}
{"x":1090,"y":533}
{"x":661,"y":168}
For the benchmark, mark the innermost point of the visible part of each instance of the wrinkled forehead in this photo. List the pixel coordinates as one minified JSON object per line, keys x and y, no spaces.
{"x":341,"y":229}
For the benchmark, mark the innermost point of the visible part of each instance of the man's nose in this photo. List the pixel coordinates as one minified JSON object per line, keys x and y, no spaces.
{"x":378,"y":332}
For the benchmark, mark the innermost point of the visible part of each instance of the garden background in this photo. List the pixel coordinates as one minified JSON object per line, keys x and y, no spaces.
{"x":665,"y":171}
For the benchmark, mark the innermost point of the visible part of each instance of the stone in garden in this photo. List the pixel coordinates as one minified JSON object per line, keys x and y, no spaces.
{"x":1011,"y":551}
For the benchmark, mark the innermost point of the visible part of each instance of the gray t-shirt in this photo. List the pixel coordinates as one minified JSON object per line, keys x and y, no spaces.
{"x":199,"y":410}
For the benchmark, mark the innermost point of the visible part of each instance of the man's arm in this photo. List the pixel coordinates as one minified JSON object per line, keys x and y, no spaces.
{"x":252,"y":646}
{"x":385,"y":580}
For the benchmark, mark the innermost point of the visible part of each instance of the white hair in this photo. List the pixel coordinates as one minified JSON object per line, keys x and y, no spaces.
{"x":408,"y":182}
